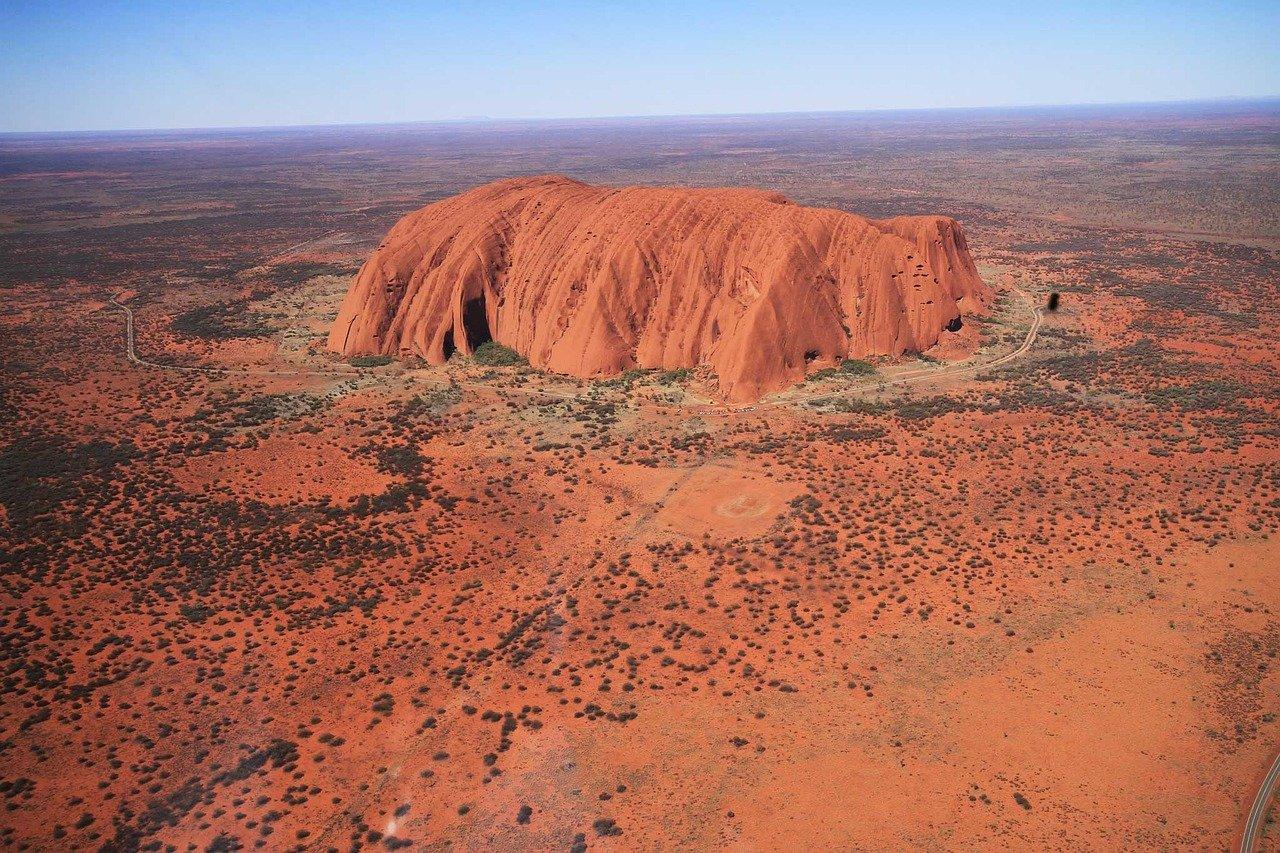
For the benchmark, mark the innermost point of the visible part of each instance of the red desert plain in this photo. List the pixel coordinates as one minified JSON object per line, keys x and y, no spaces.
{"x":832,"y":481}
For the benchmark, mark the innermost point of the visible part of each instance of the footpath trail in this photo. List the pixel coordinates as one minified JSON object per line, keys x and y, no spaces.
{"x":924,"y":375}
{"x":909,"y":378}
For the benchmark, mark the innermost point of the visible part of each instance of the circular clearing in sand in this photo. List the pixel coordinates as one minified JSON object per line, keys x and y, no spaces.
{"x":726,"y":502}
{"x":743,"y":506}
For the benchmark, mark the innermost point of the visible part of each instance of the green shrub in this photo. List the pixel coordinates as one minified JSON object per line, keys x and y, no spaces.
{"x":196,"y":612}
{"x":370,"y":360}
{"x":671,"y":377}
{"x":848,"y":367}
{"x":494,"y":354}
{"x":221,"y":322}
{"x":857,"y":367}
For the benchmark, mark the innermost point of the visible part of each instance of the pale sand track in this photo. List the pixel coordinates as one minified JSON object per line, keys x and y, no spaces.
{"x":908,"y":378}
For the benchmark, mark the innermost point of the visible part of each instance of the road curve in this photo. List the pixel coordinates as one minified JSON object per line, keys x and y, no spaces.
{"x":131,"y":353}
{"x":914,"y":376}
{"x":1258,"y":813}
{"x":909,"y":378}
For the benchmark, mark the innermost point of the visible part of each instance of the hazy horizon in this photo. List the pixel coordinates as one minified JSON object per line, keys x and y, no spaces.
{"x":1272,"y":100}
{"x":77,"y":66}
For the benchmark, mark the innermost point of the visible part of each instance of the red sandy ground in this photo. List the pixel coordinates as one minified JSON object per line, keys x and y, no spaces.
{"x":1034,"y":608}
{"x":779,"y":629}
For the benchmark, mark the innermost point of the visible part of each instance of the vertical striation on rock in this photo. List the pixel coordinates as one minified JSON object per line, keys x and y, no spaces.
{"x":590,"y":281}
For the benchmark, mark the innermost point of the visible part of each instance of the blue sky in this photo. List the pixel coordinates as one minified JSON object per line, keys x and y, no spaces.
{"x":108,"y":65}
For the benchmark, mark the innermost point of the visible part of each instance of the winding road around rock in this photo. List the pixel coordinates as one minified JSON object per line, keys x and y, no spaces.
{"x":908,"y":378}
{"x":1253,"y":824}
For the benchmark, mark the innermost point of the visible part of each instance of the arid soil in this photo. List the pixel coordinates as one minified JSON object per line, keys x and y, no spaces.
{"x":289,"y":602}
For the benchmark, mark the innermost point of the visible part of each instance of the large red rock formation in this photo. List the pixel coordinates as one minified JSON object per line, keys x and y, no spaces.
{"x":591,"y":281}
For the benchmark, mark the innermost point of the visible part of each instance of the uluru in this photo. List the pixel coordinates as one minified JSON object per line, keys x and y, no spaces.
{"x":592,"y":280}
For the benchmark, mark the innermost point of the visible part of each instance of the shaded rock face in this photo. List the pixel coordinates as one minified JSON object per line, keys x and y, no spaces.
{"x":591,"y":281}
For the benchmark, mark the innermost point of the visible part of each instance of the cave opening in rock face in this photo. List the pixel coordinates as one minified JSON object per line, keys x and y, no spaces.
{"x":475,"y":322}
{"x":731,"y":280}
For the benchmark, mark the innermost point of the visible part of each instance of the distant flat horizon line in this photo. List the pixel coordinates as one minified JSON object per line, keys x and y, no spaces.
{"x":1225,"y":101}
